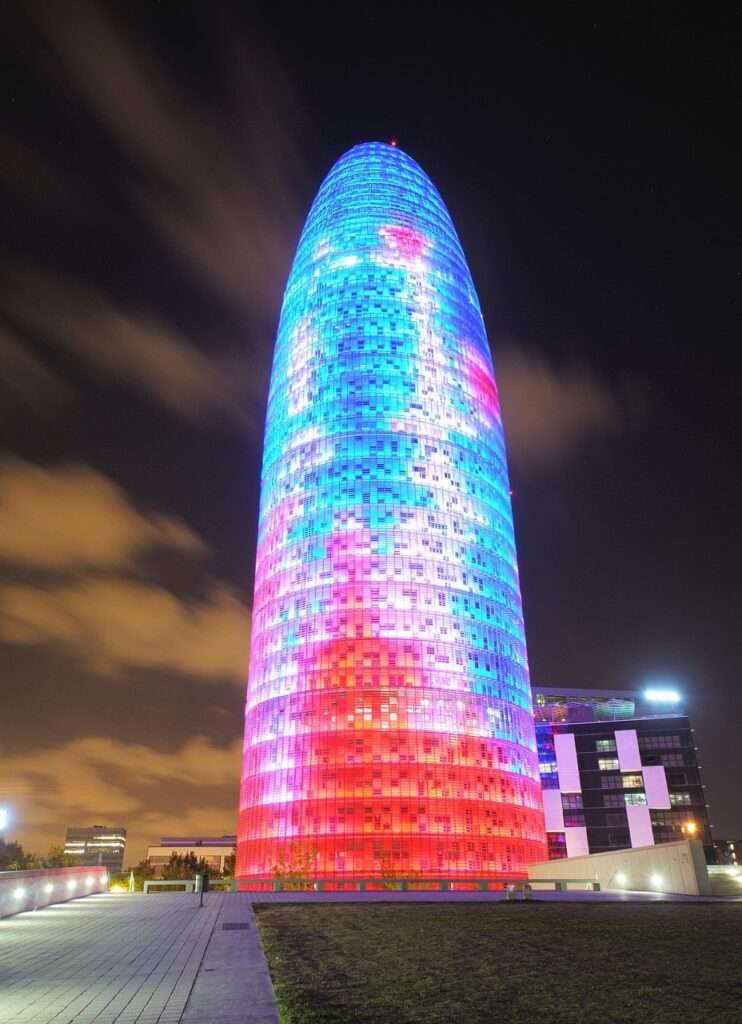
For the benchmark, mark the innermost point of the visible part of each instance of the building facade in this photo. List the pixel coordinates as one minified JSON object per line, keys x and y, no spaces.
{"x":97,"y":844}
{"x":215,"y":850}
{"x":388,"y":724}
{"x":617,"y":771}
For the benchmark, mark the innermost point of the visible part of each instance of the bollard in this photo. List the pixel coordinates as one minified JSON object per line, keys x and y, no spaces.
{"x":202,"y":882}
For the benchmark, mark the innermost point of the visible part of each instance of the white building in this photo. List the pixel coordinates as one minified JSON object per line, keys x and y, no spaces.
{"x":214,"y":850}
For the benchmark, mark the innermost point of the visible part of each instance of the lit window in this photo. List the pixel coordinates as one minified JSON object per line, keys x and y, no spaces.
{"x":605,"y":746}
{"x":632,"y":781}
{"x":635,"y":799}
{"x":608,"y":764}
{"x":679,"y":798}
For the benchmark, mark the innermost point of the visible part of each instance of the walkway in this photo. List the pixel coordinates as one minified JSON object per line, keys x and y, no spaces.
{"x":134,"y":959}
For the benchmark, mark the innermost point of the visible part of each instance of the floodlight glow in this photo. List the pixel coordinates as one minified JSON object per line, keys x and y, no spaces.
{"x":621,"y":878}
{"x":72,"y":884}
{"x":4,"y":818}
{"x":662,"y":696}
{"x":48,"y":888}
{"x":655,"y":879}
{"x":89,"y":880}
{"x":19,"y":893}
{"x":388,"y":725}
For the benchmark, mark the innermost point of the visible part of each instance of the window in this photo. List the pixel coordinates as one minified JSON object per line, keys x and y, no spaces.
{"x":608,"y":764}
{"x":679,"y":798}
{"x":613,"y":800}
{"x":632,"y":781}
{"x":610,"y":781}
{"x":573,"y":819}
{"x":615,"y":820}
{"x":572,"y":800}
{"x":634,"y":799}
{"x":605,"y":746}
{"x":672,"y":760}
{"x":655,"y":742}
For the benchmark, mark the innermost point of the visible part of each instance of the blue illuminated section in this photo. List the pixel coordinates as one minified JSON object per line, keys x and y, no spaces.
{"x":389,"y":722}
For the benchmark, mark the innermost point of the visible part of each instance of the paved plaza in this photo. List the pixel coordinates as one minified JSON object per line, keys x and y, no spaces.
{"x":135,"y":959}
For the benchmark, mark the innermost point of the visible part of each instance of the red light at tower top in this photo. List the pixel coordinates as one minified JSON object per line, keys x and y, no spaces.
{"x":388,"y":727}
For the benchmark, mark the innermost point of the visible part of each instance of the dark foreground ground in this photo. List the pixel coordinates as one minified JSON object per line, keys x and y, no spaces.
{"x":619,"y":963}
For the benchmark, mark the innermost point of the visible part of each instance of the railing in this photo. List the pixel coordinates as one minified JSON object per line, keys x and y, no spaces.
{"x":30,"y":890}
{"x":512,"y":884}
{"x":512,"y":887}
{"x":184,"y":884}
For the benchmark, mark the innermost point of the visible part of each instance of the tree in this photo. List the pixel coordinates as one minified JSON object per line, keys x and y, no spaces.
{"x":184,"y":866}
{"x":143,"y":871}
{"x":14,"y":858}
{"x":298,"y":867}
{"x":57,"y":858}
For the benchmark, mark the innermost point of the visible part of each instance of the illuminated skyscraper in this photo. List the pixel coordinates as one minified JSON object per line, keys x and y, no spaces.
{"x":388,"y":727}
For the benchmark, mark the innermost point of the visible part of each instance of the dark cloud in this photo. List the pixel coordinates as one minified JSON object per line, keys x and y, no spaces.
{"x":27,"y":385}
{"x":549,"y":411}
{"x":136,"y":347}
{"x":218,"y":180}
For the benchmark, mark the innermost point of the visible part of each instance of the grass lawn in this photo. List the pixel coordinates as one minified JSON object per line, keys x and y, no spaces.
{"x":538,"y":963}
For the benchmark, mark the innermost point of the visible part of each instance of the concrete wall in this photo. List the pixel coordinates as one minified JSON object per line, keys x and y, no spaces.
{"x":667,"y":867}
{"x":29,"y":890}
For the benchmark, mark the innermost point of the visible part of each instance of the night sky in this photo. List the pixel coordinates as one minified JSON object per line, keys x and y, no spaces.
{"x":156,"y":164}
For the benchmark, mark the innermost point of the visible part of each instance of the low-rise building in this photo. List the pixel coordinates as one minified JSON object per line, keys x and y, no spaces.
{"x":618,"y":770}
{"x":215,"y":850}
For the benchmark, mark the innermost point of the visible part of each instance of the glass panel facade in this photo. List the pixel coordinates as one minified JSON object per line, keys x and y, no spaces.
{"x":388,"y":725}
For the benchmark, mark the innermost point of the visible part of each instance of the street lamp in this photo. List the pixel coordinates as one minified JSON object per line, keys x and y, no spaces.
{"x":4,"y":818}
{"x":689,"y":828}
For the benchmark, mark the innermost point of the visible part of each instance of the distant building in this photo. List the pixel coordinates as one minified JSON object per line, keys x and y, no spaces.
{"x":728,"y":851}
{"x":618,"y":770}
{"x":97,"y":844}
{"x":214,"y":850}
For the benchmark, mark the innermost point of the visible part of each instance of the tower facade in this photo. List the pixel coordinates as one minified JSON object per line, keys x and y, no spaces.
{"x":389,"y":727}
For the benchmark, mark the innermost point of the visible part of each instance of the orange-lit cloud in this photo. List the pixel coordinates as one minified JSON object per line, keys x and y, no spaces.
{"x":70,"y":517}
{"x":101,"y":779}
{"x":114,"y":624}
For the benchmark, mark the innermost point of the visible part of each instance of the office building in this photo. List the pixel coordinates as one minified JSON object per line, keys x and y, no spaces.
{"x":389,"y":727}
{"x":618,"y":769}
{"x":215,"y":850}
{"x":97,"y":844}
